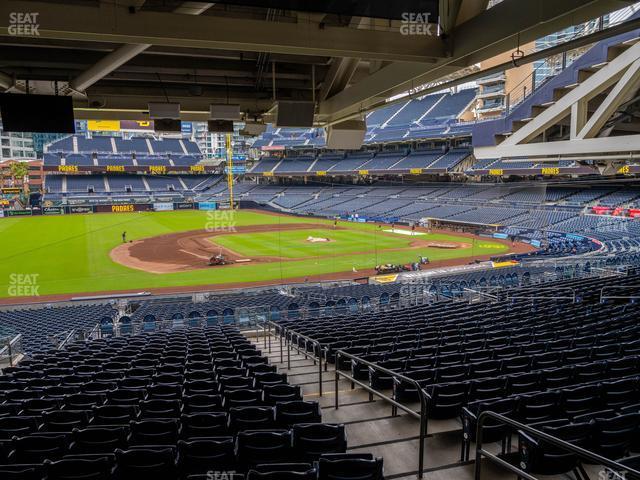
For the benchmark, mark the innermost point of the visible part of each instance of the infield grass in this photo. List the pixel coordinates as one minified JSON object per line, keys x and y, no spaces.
{"x":294,"y":243}
{"x":70,"y":253}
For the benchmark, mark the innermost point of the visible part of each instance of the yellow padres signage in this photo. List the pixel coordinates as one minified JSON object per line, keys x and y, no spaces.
{"x":157,"y":169}
{"x":122,"y":208}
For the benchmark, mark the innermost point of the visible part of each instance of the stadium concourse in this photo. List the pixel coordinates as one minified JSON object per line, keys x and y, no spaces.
{"x":288,"y":240}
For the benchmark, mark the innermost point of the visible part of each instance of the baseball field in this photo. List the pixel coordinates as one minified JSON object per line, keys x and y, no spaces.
{"x":169,"y":251}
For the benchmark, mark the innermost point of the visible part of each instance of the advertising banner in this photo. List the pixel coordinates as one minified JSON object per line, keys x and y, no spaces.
{"x":79,"y":209}
{"x":235,"y":170}
{"x":162,"y":206}
{"x":53,"y":210}
{"x":18,"y":213}
{"x":207,"y":205}
{"x":183,"y":206}
{"x":103,"y":125}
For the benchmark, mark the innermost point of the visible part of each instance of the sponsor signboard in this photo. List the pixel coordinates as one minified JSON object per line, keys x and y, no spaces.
{"x":500,"y":235}
{"x":235,"y":170}
{"x":321,"y":173}
{"x":1,"y":213}
{"x":207,"y":205}
{"x":163,"y":206}
{"x":79,"y":209}
{"x":385,"y":278}
{"x":18,"y":213}
{"x":53,"y":210}
{"x":11,"y":190}
{"x":550,"y":171}
{"x":68,"y":168}
{"x":103,"y":125}
{"x":363,"y":172}
{"x":415,"y":171}
{"x":496,"y":172}
{"x":115,"y":168}
{"x":196,"y":168}
{"x":187,"y":128}
{"x":183,"y":206}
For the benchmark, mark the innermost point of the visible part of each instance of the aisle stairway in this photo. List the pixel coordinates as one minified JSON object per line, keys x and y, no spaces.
{"x":370,"y":425}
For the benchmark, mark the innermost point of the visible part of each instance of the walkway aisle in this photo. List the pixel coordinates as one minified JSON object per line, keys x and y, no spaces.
{"x":372,"y":428}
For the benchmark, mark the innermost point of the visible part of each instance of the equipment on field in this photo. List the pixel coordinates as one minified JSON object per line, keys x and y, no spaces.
{"x":218,"y":260}
{"x":391,"y":268}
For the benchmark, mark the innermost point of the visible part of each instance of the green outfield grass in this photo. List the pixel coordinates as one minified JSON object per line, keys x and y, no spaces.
{"x":70,"y":253}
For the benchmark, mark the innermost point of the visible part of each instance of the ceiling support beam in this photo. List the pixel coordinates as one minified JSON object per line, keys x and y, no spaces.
{"x":106,"y":65}
{"x":599,"y":82}
{"x":6,"y":82}
{"x":342,"y":69}
{"x":123,"y":54}
{"x":564,"y":149}
{"x":624,"y":90}
{"x":478,"y":39}
{"x":221,"y":33}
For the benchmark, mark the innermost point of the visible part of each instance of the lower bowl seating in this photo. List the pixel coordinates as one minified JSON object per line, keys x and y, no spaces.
{"x":191,"y":403}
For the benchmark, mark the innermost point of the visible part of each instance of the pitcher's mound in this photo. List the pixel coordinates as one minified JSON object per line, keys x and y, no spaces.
{"x":311,"y":239}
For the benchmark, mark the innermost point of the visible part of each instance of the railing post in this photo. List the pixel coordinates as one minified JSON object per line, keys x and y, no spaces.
{"x":288,"y":352}
{"x":281,"y":348}
{"x":423,"y":430}
{"x":319,"y":369}
{"x":10,"y":353}
{"x":477,"y":466}
{"x":337,"y":380}
{"x":264,"y":331}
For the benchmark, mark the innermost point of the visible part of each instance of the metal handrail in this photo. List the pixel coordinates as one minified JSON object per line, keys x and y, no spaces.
{"x":422,"y":415}
{"x":581,"y":452}
{"x":67,"y":339}
{"x":538,"y":289}
{"x":95,"y":331}
{"x":287,"y":334}
{"x":617,"y":297}
{"x":9,"y":351}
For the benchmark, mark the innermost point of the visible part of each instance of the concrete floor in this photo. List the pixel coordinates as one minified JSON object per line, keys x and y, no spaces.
{"x":372,"y":428}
